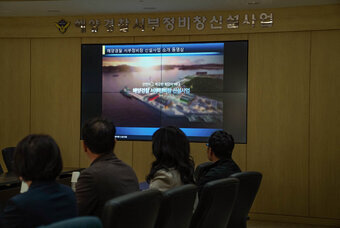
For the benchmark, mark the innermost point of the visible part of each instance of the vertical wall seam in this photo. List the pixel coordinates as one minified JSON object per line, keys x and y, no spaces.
{"x":246,"y":162}
{"x":132,"y":155}
{"x":30,"y":85}
{"x":79,"y":144}
{"x":309,"y":121}
{"x":132,"y":142}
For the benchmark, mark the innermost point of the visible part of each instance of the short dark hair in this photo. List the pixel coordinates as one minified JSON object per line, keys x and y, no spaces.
{"x":171,"y":148}
{"x":99,"y":135}
{"x":37,"y":158}
{"x":222,"y":144}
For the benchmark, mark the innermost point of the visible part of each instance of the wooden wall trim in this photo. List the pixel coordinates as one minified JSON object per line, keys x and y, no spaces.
{"x":295,"y":219}
{"x":326,"y":17}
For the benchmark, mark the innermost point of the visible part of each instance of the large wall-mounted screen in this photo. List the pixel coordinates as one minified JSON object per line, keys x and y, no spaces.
{"x":199,"y":87}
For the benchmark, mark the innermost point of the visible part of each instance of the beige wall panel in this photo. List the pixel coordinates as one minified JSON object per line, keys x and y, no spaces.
{"x":14,"y":91}
{"x":325,"y":125}
{"x":123,"y":150}
{"x":156,"y":39}
{"x":55,"y":96}
{"x":142,"y":158}
{"x":278,"y":120}
{"x":240,"y":156}
{"x":198,"y":152}
{"x":107,"y":40}
{"x":221,"y":37}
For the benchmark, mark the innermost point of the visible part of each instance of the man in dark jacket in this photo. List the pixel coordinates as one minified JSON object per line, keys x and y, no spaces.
{"x":107,"y":177}
{"x":219,"y":151}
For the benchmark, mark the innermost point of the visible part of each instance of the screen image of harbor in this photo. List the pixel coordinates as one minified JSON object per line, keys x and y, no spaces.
{"x":160,"y":89}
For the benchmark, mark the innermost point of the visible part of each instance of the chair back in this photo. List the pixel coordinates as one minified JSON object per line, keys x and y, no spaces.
{"x":8,"y":155}
{"x":177,"y":207}
{"x":249,"y":185}
{"x":216,"y":203}
{"x":133,"y":210}
{"x":78,"y":222}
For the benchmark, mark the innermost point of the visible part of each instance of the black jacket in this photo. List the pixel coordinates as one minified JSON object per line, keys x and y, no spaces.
{"x":106,"y":178}
{"x":217,"y":170}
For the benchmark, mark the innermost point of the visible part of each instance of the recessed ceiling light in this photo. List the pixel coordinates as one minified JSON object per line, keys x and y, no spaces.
{"x":53,"y":11}
{"x":149,"y":8}
{"x":253,"y":3}
{"x":5,"y":11}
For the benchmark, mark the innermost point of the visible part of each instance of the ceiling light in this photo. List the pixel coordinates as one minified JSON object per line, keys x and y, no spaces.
{"x":53,"y":11}
{"x":149,"y":8}
{"x":253,"y":3}
{"x":6,"y":11}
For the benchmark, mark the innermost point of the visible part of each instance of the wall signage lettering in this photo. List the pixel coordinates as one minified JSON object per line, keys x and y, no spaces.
{"x":198,"y":23}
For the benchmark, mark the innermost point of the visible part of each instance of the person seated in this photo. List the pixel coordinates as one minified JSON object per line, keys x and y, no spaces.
{"x":173,"y":165}
{"x":219,"y":151}
{"x":37,"y":161}
{"x":107,"y":177}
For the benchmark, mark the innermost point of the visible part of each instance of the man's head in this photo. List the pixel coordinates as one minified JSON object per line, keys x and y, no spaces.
{"x":99,"y":136}
{"x":37,"y":158}
{"x":220,"y":145}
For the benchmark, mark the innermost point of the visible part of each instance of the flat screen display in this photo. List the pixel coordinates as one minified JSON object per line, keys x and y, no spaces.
{"x":198,"y":87}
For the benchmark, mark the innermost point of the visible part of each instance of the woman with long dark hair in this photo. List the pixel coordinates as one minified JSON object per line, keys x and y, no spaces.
{"x":173,"y":165}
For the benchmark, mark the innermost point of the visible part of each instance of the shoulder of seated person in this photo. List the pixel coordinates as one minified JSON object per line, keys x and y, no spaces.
{"x":24,"y":198}
{"x":162,"y":180}
{"x":66,"y":188}
{"x":166,"y":171}
{"x":217,"y":169}
{"x":162,"y":172}
{"x":101,"y":168}
{"x":220,"y":171}
{"x":20,"y":196}
{"x":170,"y":175}
{"x":97,"y":173}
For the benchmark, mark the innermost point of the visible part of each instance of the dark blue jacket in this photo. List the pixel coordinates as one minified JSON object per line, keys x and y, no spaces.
{"x":42,"y":204}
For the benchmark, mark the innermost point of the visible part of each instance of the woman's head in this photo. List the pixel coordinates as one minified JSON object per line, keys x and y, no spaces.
{"x":37,"y":158}
{"x":171,"y":149}
{"x":169,"y":145}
